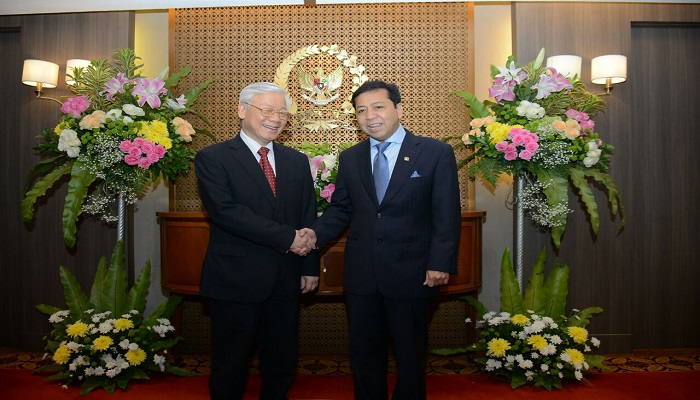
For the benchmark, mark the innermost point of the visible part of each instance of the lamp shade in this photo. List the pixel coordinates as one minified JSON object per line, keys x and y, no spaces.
{"x":72,"y":63}
{"x":613,"y":67}
{"x":38,"y":71}
{"x":567,"y":65}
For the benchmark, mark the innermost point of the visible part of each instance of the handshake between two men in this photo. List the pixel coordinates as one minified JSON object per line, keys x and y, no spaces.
{"x":304,"y":242}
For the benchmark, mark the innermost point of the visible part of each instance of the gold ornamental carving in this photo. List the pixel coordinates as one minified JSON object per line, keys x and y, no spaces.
{"x":324,"y":86}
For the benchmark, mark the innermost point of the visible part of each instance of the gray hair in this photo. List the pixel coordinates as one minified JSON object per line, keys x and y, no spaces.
{"x":257,"y":88}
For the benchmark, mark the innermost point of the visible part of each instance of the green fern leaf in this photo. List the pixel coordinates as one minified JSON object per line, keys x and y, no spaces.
{"x":578,"y":179}
{"x":81,"y":179}
{"x":40,"y":189}
{"x":114,"y":282}
{"x":136,"y":299}
{"x":614,"y":196}
{"x":583,"y":317}
{"x":476,"y":108}
{"x":557,"y":289}
{"x":97,"y":294}
{"x":511,"y":299}
{"x":76,"y":300}
{"x":534,"y":294}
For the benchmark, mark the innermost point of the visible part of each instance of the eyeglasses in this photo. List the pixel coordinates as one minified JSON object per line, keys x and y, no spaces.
{"x":268,"y":112}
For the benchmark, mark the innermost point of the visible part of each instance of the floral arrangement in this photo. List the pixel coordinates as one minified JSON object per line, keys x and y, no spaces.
{"x":104,"y":340}
{"x":541,"y":128}
{"x":531,"y":341}
{"x":324,"y":169}
{"x":119,"y":134}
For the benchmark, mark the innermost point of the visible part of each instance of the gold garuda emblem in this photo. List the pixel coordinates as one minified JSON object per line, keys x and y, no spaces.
{"x":325,"y":77}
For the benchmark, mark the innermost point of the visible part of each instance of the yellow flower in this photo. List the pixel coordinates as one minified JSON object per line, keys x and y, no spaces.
{"x":102,"y":343}
{"x":519,"y":319}
{"x":77,"y":329}
{"x":538,"y":342}
{"x":62,"y":355}
{"x":60,"y":127}
{"x":498,"y":132}
{"x":576,"y":356}
{"x":497,"y":347}
{"x":156,"y":132}
{"x":580,"y":335}
{"x":123,"y":324}
{"x":135,"y":357}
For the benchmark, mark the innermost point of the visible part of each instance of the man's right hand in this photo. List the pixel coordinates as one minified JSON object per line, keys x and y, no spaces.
{"x":304,"y":242}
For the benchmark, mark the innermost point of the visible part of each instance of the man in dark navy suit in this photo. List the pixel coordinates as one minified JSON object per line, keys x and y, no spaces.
{"x":258,"y":195}
{"x":402,"y":240}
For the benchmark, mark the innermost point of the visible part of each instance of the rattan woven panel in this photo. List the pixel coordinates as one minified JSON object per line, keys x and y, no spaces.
{"x":422,"y":47}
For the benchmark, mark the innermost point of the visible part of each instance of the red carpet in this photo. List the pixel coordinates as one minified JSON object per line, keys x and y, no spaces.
{"x":20,"y":384}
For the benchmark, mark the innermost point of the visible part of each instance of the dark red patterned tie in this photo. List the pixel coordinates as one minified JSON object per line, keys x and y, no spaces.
{"x":267,"y":169}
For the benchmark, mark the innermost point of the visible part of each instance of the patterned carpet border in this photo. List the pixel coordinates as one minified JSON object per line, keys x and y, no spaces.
{"x":654,"y":361}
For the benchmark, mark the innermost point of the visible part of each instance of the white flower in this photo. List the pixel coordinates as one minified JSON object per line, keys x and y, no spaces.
{"x":578,"y":375}
{"x":124,"y":344}
{"x":467,"y":320}
{"x":105,"y":327}
{"x":114,"y":114}
{"x":58,"y":316}
{"x":529,"y":375}
{"x":99,"y":371}
{"x":68,"y":141}
{"x":525,"y":364}
{"x":595,"y":342}
{"x":133,"y":110}
{"x":530,"y":110}
{"x":133,"y":346}
{"x":544,"y":367}
{"x":492,"y":364}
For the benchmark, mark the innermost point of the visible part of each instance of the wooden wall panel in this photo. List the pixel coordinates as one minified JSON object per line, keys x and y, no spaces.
{"x":31,"y":253}
{"x":637,"y":275}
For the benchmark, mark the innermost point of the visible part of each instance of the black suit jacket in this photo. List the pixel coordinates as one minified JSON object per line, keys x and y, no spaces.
{"x":416,"y":228}
{"x":251,"y":229}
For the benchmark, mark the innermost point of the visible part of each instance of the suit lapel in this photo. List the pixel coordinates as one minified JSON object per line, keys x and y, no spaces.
{"x":364,"y":165}
{"x":408,"y":154}
{"x":250,"y":165}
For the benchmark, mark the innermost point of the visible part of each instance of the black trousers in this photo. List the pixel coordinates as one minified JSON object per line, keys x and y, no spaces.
{"x":373,"y":319}
{"x":235,"y":329}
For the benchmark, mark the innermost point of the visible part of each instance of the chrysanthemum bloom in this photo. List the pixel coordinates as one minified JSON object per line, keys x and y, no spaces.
{"x":538,"y":342}
{"x":102,"y":343}
{"x":123,"y":324}
{"x":78,"y":329}
{"x":135,"y":357}
{"x":497,"y":347}
{"x":575,"y":356}
{"x":580,"y":335}
{"x":62,"y":354}
{"x":520,"y":319}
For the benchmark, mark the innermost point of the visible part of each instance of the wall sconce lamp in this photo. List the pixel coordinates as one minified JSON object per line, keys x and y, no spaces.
{"x":40,"y":74}
{"x":567,"y":65}
{"x":605,"y":70}
{"x":608,"y":70}
{"x":70,"y":69}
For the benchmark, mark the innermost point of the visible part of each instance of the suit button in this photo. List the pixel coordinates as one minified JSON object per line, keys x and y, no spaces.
{"x":379,"y":215}
{"x":379,"y":241}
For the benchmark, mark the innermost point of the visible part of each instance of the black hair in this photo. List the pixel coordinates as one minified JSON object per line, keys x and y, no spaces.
{"x":394,"y":94}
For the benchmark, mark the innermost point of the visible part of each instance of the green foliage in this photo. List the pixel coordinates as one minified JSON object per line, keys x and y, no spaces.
{"x":544,"y":303}
{"x":109,"y":304}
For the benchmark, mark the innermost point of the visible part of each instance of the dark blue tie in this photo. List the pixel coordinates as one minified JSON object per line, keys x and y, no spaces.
{"x":380,"y":170}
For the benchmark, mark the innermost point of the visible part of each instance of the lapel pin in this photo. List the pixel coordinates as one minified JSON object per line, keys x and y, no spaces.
{"x":406,"y":159}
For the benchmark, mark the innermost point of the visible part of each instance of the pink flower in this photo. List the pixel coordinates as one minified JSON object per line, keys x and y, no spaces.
{"x":125,"y":146}
{"x":502,"y":90}
{"x":131,"y":160}
{"x":327,"y":191}
{"x":144,"y":162}
{"x":526,"y":155}
{"x":159,"y":150}
{"x":511,"y":155}
{"x":75,"y":105}
{"x":149,"y":90}
{"x":315,"y":164}
{"x":502,"y":146}
{"x":532,"y":146}
{"x":153,"y":157}
{"x":135,"y":151}
{"x":139,"y":141}
{"x":147,"y":146}
{"x":114,"y":86}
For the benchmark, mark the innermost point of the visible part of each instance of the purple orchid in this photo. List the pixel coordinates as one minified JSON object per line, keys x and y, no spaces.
{"x":149,"y":90}
{"x":114,"y":86}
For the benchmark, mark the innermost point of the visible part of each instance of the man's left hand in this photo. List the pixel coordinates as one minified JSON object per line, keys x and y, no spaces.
{"x":436,"y":278}
{"x":309,"y":283}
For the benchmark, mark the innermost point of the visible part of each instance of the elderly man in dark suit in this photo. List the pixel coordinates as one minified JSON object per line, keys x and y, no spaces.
{"x":258,"y":195}
{"x":399,"y":194}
